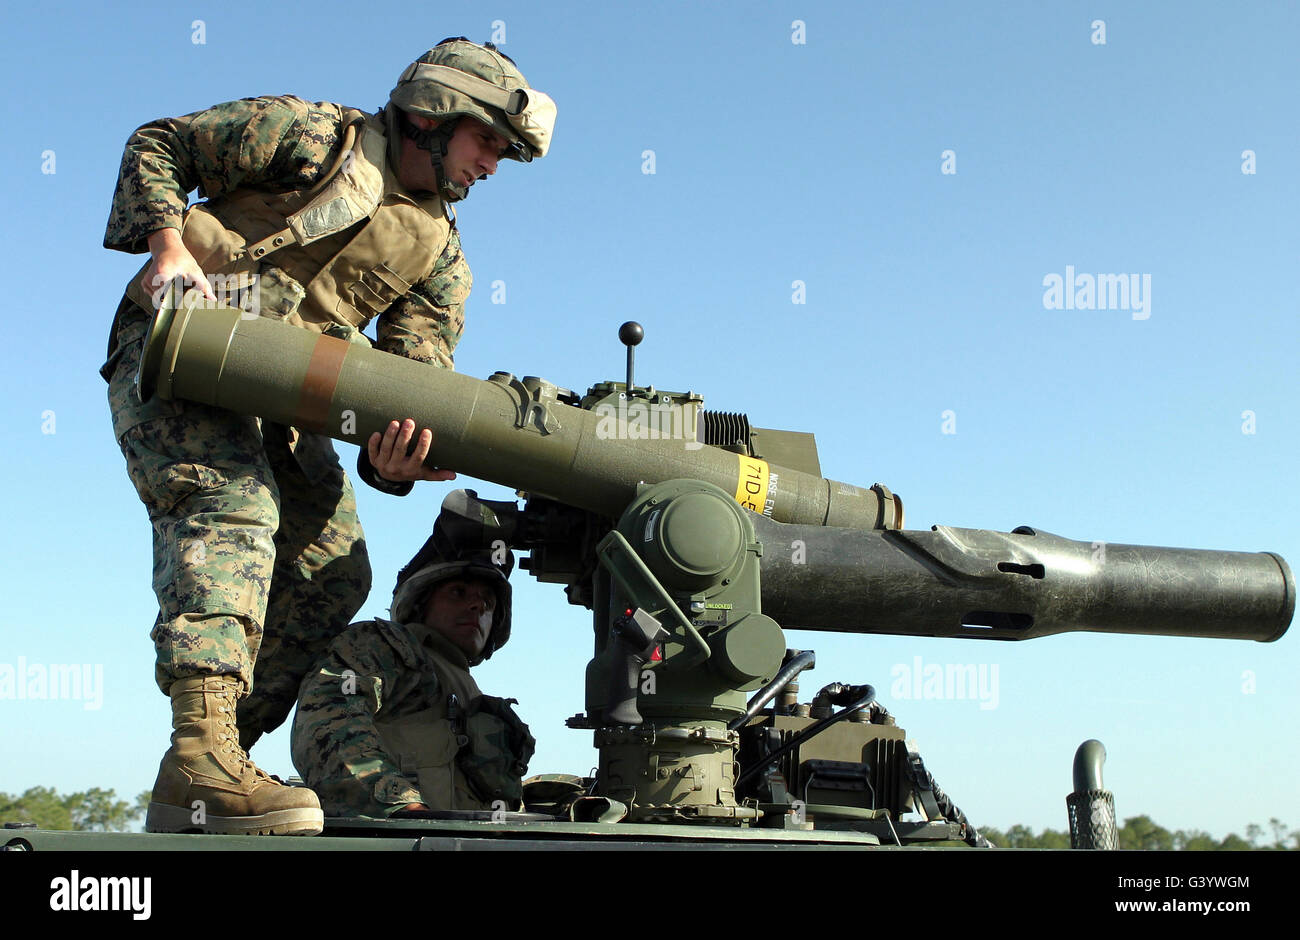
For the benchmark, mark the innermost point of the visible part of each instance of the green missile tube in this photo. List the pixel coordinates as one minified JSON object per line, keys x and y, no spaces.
{"x":512,"y":432}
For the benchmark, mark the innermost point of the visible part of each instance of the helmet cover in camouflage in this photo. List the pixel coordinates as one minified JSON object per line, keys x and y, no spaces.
{"x":458,"y":78}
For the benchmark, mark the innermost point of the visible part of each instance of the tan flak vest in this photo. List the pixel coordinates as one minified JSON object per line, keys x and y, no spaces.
{"x":425,"y":744}
{"x":310,"y":268}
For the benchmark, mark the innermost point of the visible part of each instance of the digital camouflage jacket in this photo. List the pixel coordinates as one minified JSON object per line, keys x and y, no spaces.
{"x":275,"y":146}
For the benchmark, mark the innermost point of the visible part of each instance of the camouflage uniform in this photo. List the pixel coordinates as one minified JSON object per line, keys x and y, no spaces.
{"x":259,"y":559}
{"x":393,"y":717}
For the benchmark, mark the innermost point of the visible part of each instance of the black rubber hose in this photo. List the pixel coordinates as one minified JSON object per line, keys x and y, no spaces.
{"x":950,"y":810}
{"x":797,"y":664}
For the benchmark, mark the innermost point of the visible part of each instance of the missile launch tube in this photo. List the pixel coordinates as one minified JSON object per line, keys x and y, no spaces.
{"x":952,"y":582}
{"x":502,"y":430}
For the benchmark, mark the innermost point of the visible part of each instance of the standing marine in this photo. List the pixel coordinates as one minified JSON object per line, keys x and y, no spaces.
{"x":326,"y":217}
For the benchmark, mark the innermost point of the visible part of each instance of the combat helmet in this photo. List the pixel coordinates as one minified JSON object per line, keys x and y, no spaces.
{"x":458,"y":78}
{"x":432,"y":565}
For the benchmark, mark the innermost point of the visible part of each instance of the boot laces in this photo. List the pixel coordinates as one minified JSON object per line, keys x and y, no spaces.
{"x":230,"y":738}
{"x":229,"y":734}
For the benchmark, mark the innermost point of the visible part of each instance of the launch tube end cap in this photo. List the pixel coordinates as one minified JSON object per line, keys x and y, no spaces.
{"x":155,"y":346}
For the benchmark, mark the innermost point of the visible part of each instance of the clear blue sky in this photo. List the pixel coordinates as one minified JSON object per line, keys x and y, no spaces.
{"x":775,"y":162}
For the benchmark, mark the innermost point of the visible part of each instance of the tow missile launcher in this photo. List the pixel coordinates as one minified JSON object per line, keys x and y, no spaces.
{"x":675,"y":527}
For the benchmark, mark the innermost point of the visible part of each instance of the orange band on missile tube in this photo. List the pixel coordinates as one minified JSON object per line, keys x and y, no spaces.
{"x":322,"y":378}
{"x":752,"y":483}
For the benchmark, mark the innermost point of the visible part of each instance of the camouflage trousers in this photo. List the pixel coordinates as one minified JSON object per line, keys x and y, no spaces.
{"x":259,"y":559}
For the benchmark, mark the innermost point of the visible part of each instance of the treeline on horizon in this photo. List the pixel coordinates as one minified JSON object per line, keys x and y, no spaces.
{"x":94,"y":810}
{"x":1141,"y":832}
{"x":98,"y":810}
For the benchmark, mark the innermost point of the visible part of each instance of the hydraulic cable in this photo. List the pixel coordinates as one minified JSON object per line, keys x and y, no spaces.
{"x":793,"y":666}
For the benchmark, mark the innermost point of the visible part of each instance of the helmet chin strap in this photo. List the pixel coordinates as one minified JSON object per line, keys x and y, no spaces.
{"x":435,"y":140}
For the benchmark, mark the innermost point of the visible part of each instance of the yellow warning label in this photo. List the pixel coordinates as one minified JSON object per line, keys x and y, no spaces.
{"x":752,"y":483}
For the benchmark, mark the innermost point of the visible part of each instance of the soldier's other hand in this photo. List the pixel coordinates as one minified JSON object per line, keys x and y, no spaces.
{"x":172,"y":261}
{"x":393,"y":457}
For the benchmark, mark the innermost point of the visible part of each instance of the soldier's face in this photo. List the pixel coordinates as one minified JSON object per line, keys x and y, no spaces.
{"x":473,"y":152}
{"x":461,"y":610}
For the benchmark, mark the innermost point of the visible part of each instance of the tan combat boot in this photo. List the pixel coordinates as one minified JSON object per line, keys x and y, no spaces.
{"x":206,"y":781}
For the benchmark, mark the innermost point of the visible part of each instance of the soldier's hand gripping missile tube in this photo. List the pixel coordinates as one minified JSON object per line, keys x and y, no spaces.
{"x":398,"y":454}
{"x":684,"y":597}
